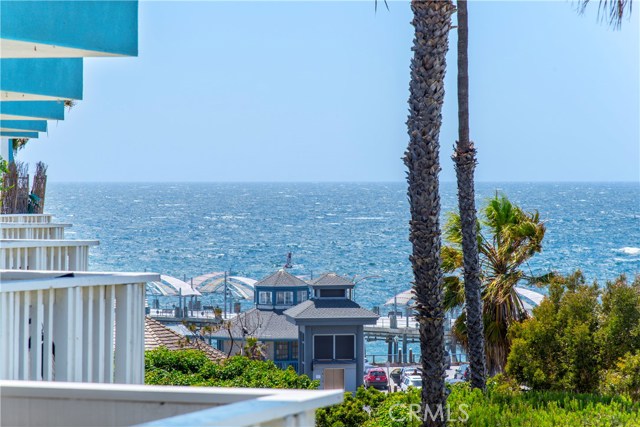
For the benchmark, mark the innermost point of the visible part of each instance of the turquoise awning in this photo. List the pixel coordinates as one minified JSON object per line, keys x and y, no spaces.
{"x":68,"y":29}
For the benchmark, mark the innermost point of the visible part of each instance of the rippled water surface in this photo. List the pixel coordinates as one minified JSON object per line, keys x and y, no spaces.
{"x":353,"y":229}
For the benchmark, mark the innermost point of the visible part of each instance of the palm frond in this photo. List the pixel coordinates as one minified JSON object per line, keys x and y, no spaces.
{"x":611,"y":10}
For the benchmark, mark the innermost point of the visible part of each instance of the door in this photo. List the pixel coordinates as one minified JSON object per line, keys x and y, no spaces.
{"x":333,"y":378}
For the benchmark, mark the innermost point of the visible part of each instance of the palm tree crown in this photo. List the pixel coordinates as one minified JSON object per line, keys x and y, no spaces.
{"x":509,"y":237}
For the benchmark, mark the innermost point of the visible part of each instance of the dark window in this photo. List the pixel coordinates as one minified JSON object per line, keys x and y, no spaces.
{"x":282,"y":351}
{"x":294,"y":350}
{"x":323,"y":347}
{"x":332,"y":293}
{"x":345,"y":347}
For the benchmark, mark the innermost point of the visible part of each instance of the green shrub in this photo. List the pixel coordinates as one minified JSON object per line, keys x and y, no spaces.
{"x":624,"y":378}
{"x":192,"y":367}
{"x":575,"y":334}
{"x":504,"y":404}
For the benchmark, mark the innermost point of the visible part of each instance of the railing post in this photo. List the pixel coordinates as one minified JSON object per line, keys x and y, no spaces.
{"x":36,"y":316}
{"x":109,"y":333}
{"x":123,"y":333}
{"x":47,"y":342}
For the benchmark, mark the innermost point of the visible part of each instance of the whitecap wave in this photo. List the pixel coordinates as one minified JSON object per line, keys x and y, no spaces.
{"x":629,"y":250}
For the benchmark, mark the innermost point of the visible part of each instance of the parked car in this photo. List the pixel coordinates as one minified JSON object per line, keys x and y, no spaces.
{"x":396,"y":375}
{"x":377,"y":378}
{"x":414,"y":381}
{"x":410,"y":371}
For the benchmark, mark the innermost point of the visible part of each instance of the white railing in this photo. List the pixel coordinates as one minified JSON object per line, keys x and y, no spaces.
{"x":66,"y":255}
{"x":61,"y":326}
{"x":32,"y":231}
{"x":27,"y":218}
{"x":77,"y":404}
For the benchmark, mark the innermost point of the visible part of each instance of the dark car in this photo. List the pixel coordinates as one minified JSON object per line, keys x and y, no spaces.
{"x":376,"y":378}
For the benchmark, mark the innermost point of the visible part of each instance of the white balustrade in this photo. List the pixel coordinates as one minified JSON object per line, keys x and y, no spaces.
{"x":65,"y":255}
{"x":60,"y":326}
{"x":26,"y":218}
{"x":38,"y":231}
{"x":77,"y":404}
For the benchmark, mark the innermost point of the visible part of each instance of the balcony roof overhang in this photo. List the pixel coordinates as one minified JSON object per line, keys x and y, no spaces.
{"x":40,"y":79}
{"x":23,"y":125}
{"x":27,"y":110}
{"x":69,"y":29}
{"x":12,"y":134}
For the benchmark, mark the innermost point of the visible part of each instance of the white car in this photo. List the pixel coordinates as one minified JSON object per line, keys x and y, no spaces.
{"x":408,"y":371}
{"x":414,"y":381}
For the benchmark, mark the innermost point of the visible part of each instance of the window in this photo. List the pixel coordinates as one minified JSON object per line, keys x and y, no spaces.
{"x":284,"y":298}
{"x":302,"y":296}
{"x":334,"y":347}
{"x":332,"y":293}
{"x":345,"y":347}
{"x":294,"y":350}
{"x":282,"y":350}
{"x":323,"y":347}
{"x":264,"y":297}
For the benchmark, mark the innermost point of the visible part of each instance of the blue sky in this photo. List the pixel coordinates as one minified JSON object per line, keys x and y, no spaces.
{"x":317,"y":91}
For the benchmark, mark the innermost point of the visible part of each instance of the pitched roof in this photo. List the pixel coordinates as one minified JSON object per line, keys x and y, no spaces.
{"x":330,"y":309}
{"x":262,"y":324}
{"x":331,"y":279}
{"x":158,"y":335}
{"x":281,"y":278}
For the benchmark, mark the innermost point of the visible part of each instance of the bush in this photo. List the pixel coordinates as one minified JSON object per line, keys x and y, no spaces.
{"x":192,"y":367}
{"x":624,"y":378}
{"x":502,"y":405}
{"x":576,"y":333}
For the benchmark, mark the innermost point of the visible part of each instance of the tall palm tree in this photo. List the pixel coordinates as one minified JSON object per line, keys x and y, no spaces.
{"x":432,"y":22}
{"x":464,"y":158}
{"x":510,"y":238}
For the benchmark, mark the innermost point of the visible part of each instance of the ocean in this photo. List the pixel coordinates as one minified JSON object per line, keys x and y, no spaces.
{"x":354,"y":229}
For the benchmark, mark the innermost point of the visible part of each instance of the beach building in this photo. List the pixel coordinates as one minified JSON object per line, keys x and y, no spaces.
{"x":331,"y":333}
{"x":72,"y":341}
{"x":314,"y":327}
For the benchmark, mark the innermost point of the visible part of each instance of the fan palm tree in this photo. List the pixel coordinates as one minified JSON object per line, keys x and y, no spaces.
{"x":464,"y":158}
{"x":510,"y":237}
{"x":432,"y":22}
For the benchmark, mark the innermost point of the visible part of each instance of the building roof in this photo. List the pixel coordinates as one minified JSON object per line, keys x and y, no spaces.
{"x":158,"y":335}
{"x":281,"y":278}
{"x":331,"y":279}
{"x":264,"y":325}
{"x":337,"y":308}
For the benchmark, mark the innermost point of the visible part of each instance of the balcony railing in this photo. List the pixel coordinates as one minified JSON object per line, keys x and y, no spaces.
{"x":26,"y":218}
{"x":32,"y":231}
{"x":78,"y":404}
{"x":77,"y":326}
{"x":59,"y":255}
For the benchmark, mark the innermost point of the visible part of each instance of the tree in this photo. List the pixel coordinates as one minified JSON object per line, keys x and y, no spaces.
{"x":508,"y":239}
{"x":464,"y":158}
{"x":432,"y":22}
{"x":578,"y":332}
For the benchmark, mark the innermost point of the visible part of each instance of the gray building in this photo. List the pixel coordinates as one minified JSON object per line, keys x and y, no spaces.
{"x":331,"y":333}
{"x":273,"y":294}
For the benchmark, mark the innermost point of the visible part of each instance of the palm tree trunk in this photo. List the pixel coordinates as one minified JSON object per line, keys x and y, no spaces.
{"x":432,"y":22}
{"x":464,"y":158}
